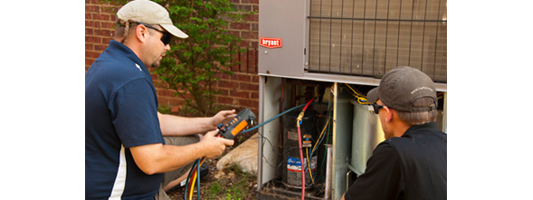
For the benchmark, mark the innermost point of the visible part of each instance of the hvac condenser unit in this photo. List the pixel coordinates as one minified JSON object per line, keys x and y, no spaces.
{"x":342,"y":42}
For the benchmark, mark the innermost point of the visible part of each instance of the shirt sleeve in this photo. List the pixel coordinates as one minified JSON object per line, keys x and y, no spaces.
{"x":381,"y":179}
{"x":134,"y":111}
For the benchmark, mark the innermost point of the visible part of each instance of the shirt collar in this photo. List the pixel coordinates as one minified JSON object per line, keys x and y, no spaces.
{"x":127,"y":52}
{"x":427,"y":126}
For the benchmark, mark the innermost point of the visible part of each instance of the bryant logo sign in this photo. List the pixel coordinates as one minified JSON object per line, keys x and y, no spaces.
{"x":270,"y":42}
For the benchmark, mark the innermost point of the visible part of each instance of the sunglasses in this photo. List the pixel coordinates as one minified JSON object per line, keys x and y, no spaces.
{"x":377,"y":107}
{"x":166,"y":35}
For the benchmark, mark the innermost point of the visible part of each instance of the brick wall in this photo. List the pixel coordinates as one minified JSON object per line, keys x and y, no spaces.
{"x":240,"y":89}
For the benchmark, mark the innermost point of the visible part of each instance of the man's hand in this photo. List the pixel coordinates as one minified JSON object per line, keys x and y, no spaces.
{"x":214,"y":146}
{"x":223,"y":117}
{"x":159,"y":158}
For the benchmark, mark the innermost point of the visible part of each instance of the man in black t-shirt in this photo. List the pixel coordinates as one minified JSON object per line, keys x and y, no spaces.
{"x":411,"y":162}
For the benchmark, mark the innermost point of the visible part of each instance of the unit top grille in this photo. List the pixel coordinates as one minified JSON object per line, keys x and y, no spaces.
{"x":371,"y":37}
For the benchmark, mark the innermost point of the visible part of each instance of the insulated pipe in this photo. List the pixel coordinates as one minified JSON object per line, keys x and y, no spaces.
{"x":329,"y":154}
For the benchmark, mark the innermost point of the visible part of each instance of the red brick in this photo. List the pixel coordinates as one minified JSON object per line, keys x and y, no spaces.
{"x":240,"y":94}
{"x":235,"y":33}
{"x":249,"y":86}
{"x":225,"y":100}
{"x":106,"y":40}
{"x":244,"y":44}
{"x":109,"y":9}
{"x":255,"y":27}
{"x":89,"y":54}
{"x":252,"y":62}
{"x":106,"y":33}
{"x":92,"y":24}
{"x":165,"y":92}
{"x":108,"y":25}
{"x":102,"y":17}
{"x":254,"y":44}
{"x":235,"y":68}
{"x":100,"y":47}
{"x":240,"y":77}
{"x":162,"y":100}
{"x":249,"y":35}
{"x":92,"y":39}
{"x":88,"y":61}
{"x":88,"y":31}
{"x":246,"y":8}
{"x":92,"y":9}
{"x":255,"y":79}
{"x":175,"y":109}
{"x":240,"y":26}
{"x":222,"y":76}
{"x":254,"y":95}
{"x":228,"y":84}
{"x":222,"y":92}
{"x":175,"y":101}
{"x":248,"y":103}
{"x":251,"y":18}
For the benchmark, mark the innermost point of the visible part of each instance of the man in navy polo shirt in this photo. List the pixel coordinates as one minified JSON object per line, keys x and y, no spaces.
{"x":126,"y":154}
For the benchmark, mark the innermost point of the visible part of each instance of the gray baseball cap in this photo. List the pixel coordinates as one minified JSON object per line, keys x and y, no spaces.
{"x":149,"y":12}
{"x":399,"y":87}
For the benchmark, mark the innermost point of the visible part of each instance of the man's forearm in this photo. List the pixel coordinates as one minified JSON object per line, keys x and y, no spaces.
{"x":172,"y":125}
{"x":159,"y":158}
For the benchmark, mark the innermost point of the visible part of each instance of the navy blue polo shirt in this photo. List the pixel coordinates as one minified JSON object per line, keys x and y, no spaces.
{"x":120,"y":112}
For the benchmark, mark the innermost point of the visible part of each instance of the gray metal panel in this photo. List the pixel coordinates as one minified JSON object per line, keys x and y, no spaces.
{"x":350,"y":79}
{"x":286,"y":20}
{"x":367,"y":134}
{"x":269,"y":107}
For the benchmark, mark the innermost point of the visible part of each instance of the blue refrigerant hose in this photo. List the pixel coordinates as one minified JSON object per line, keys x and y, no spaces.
{"x":279,"y":115}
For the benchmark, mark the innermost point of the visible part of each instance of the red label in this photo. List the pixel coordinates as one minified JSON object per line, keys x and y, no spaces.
{"x":270,"y":42}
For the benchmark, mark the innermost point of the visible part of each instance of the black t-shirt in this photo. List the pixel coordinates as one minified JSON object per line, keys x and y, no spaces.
{"x":409,"y":167}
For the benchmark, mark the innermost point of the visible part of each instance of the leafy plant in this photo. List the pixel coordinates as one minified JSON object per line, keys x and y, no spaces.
{"x":192,"y":63}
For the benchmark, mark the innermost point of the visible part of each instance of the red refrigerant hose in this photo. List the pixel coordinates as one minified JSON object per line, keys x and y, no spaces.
{"x":300,"y":116}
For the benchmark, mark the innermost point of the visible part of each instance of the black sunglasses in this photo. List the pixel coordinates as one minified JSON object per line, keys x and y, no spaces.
{"x":377,"y":107}
{"x":166,"y":35}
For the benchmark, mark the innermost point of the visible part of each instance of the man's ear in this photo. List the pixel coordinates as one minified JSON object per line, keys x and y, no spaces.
{"x":141,"y":32}
{"x":389,"y":114}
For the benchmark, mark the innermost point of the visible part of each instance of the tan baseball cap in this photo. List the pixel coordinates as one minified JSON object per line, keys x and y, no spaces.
{"x":149,"y":12}
{"x":399,"y":87}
